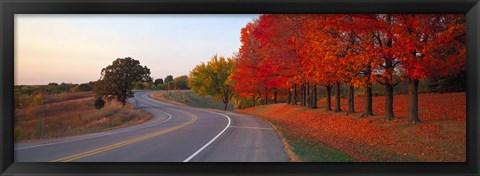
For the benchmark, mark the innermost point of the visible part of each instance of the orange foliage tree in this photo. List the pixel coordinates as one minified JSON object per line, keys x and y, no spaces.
{"x":281,"y":52}
{"x":247,"y":83}
{"x":434,"y":46}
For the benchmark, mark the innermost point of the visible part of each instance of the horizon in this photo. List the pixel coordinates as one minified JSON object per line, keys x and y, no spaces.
{"x":46,"y":46}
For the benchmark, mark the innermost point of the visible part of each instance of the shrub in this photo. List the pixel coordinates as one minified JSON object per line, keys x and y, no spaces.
{"x":99,"y":103}
{"x":74,"y":89}
{"x":86,"y":87}
{"x":38,"y":99}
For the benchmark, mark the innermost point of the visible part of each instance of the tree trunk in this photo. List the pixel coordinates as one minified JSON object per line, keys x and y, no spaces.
{"x":308,"y":93}
{"x":275,"y":92}
{"x":295,"y":94}
{"x":389,"y":102}
{"x":122,"y":98}
{"x":225,"y":100}
{"x":337,"y":98}
{"x":289,"y":98}
{"x":389,"y":68}
{"x":304,"y":95}
{"x":413,"y":100}
{"x":253,"y":100}
{"x":351,"y":103}
{"x":328,"y":97}
{"x":266,"y":96}
{"x":314,"y":97}
{"x":317,"y":88}
{"x":368,"y":111}
{"x":311,"y":97}
{"x":301,"y":94}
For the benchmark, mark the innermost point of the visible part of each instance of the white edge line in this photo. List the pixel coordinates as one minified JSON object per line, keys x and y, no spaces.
{"x":206,"y":145}
{"x":259,"y":128}
{"x":61,"y":142}
{"x":209,"y":142}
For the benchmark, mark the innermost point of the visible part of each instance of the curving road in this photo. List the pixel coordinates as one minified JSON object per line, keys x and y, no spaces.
{"x":174,"y":134}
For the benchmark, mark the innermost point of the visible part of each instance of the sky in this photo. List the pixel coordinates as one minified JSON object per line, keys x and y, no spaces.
{"x":74,"y":48}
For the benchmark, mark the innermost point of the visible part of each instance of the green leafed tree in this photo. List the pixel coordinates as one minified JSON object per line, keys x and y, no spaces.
{"x":118,"y":80}
{"x":158,"y":81}
{"x":85,"y":87}
{"x":180,"y":82}
{"x":169,"y":82}
{"x":214,"y":79}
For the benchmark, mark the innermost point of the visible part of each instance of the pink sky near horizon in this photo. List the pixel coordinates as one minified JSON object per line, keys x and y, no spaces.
{"x":74,"y":48}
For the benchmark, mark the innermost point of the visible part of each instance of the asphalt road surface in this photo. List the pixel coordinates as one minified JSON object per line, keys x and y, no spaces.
{"x":174,"y":134}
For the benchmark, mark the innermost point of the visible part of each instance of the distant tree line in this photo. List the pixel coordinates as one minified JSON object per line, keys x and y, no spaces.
{"x":24,"y":94}
{"x":168,"y":83}
{"x":53,"y":88}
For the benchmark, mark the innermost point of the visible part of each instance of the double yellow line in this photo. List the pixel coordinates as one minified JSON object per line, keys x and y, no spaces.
{"x":127,"y":142}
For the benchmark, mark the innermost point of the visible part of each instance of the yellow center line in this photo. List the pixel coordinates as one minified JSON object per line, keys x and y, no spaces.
{"x":127,"y":142}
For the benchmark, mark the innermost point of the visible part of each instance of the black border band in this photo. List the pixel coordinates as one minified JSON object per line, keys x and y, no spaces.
{"x":9,"y":7}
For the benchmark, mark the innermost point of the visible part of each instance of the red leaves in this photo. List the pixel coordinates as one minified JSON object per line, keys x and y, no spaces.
{"x":280,"y":50}
{"x":433,"y":44}
{"x":267,"y":58}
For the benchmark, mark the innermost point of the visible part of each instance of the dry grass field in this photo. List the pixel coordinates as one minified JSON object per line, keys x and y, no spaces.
{"x":72,"y":114}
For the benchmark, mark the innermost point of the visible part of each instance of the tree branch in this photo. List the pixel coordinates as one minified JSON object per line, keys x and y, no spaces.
{"x":395,"y":84}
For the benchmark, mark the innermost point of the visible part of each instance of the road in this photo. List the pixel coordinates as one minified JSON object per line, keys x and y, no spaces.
{"x":174,"y":134}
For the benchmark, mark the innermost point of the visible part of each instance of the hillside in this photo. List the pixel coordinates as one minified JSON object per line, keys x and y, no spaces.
{"x":190,"y":98}
{"x":72,"y":114}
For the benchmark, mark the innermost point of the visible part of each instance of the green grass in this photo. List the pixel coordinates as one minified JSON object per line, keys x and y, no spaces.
{"x":193,"y":99}
{"x":315,"y":152}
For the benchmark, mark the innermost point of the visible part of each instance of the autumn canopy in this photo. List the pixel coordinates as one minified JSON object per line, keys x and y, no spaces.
{"x":301,"y":53}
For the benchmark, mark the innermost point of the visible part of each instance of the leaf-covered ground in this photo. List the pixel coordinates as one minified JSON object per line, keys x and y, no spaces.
{"x":440,"y":137}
